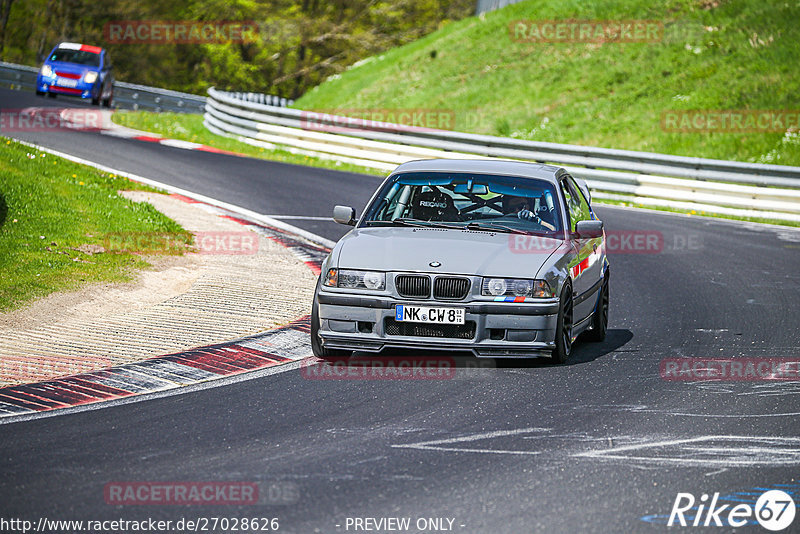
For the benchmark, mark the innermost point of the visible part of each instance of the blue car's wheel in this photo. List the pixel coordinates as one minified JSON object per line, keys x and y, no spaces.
{"x":107,"y":101}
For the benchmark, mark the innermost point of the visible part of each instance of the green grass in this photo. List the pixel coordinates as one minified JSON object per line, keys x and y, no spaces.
{"x":714,"y":55}
{"x":50,"y":208}
{"x":189,"y":127}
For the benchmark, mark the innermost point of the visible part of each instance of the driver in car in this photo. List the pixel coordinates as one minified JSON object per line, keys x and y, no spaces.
{"x":521,"y":207}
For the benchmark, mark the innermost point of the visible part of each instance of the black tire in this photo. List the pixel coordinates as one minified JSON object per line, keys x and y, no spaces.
{"x":600,"y":318}
{"x":316,"y":343}
{"x":39,"y":93}
{"x":96,"y":101}
{"x":107,"y":101}
{"x":51,"y":95}
{"x":563,"y":327}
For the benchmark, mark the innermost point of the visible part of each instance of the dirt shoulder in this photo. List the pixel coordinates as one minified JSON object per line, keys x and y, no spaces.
{"x":238,"y":283}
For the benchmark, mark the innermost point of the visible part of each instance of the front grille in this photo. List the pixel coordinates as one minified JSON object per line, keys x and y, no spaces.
{"x":413,"y":286}
{"x":450,"y":288}
{"x":68,"y":75}
{"x":453,"y":331}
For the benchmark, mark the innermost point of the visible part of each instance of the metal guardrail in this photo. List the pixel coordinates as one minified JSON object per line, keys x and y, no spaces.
{"x":714,"y":186}
{"x":126,"y":95}
{"x":484,"y":6}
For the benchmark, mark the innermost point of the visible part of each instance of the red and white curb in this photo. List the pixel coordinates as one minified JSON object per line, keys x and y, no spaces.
{"x":174,"y":143}
{"x":115,"y":130}
{"x":45,"y":119}
{"x":284,"y":345}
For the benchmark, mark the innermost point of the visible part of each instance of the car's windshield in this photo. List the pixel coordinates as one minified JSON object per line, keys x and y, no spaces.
{"x":81,"y":57}
{"x":462,"y":200}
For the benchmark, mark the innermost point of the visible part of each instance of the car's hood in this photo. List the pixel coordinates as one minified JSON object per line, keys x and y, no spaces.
{"x":72,"y":68}
{"x":458,"y":251}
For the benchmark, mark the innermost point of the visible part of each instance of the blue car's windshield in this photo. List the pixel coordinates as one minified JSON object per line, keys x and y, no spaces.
{"x":81,"y":57}
{"x":462,"y":200}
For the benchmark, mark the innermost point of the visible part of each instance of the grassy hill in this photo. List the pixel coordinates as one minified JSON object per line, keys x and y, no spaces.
{"x":710,"y":55}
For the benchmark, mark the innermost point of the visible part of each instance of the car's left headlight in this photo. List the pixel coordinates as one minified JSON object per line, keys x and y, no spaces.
{"x":90,"y":77}
{"x":352,"y":279}
{"x":46,"y":71}
{"x":515,"y":287}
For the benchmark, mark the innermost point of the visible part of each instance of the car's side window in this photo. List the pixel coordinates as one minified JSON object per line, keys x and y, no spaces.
{"x":586,"y":211}
{"x":573,"y":203}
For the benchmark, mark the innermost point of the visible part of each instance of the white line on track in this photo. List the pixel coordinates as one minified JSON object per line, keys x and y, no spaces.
{"x":436,"y":445}
{"x":300,"y":217}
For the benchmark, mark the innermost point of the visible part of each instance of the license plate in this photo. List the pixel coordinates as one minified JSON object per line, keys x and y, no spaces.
{"x":424,"y":314}
{"x":66,"y":82}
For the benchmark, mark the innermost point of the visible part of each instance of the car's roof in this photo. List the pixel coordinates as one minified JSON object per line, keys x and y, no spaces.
{"x":484,"y":166}
{"x":79,"y":46}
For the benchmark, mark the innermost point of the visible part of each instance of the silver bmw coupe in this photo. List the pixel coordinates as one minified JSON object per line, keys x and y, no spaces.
{"x":500,"y":258}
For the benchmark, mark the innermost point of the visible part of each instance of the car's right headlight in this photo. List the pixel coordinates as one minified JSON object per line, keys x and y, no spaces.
{"x":46,"y":71}
{"x":352,"y":279}
{"x":90,"y":77}
{"x":516,"y":287}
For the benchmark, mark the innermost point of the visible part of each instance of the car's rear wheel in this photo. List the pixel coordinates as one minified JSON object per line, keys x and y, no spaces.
{"x":107,"y":101}
{"x":600,"y":318}
{"x":316,"y":342}
{"x":564,"y":327}
{"x":39,"y":93}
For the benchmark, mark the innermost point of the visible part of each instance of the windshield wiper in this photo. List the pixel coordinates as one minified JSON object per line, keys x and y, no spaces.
{"x":406,"y":221}
{"x":497,"y":227}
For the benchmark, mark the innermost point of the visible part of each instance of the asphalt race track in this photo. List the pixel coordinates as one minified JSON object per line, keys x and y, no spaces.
{"x":603,"y":444}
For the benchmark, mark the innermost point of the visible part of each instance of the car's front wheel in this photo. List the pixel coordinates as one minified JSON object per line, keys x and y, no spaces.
{"x":316,"y":342}
{"x":564,"y":327}
{"x":600,"y":318}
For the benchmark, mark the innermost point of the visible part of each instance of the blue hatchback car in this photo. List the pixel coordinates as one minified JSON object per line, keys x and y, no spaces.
{"x":77,"y":70}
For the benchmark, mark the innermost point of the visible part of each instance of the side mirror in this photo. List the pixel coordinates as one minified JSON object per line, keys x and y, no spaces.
{"x":589,"y":229}
{"x":344,"y":215}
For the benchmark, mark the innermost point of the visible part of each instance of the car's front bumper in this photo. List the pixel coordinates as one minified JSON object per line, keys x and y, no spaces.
{"x":50,"y":84}
{"x":359,"y":322}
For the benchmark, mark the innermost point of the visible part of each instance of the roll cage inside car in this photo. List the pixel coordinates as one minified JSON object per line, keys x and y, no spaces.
{"x":438,"y":197}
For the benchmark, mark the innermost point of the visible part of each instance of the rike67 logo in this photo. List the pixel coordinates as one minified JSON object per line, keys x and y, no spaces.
{"x":774,"y":510}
